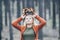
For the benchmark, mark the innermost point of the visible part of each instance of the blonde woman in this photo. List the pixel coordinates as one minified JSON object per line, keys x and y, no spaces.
{"x":29,"y":31}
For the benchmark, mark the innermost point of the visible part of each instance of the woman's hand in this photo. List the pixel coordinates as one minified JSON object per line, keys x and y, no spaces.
{"x":23,"y":16}
{"x":31,"y":9}
{"x":34,"y":16}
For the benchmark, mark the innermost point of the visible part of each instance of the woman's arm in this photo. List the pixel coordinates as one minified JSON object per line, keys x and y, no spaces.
{"x":41,"y":20}
{"x":15,"y":23}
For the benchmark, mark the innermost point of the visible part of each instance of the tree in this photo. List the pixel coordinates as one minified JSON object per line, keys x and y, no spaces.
{"x":18,"y":8}
{"x":10,"y":26}
{"x":24,"y":3}
{"x":7,"y":10}
{"x":54,"y":15}
{"x":40,"y":14}
{"x":0,"y":18}
{"x":59,"y":17}
{"x":30,"y":3}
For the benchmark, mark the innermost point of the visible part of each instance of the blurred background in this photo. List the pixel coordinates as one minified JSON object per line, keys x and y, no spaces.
{"x":47,"y":9}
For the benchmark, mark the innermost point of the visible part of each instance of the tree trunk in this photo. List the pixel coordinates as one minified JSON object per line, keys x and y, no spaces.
{"x":0,"y":18}
{"x":40,"y":37}
{"x":54,"y":15}
{"x":10,"y":26}
{"x":6,"y":9}
{"x":30,"y":3}
{"x":18,"y":9}
{"x":59,"y":17}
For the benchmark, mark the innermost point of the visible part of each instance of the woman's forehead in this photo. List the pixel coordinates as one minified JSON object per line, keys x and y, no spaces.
{"x":29,"y":16}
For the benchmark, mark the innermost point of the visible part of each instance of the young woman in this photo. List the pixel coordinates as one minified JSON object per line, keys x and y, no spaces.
{"x":29,"y":31}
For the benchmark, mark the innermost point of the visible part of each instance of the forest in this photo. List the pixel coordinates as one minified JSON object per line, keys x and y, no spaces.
{"x":47,"y":9}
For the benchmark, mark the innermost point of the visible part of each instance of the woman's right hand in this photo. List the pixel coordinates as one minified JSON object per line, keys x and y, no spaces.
{"x":23,"y":16}
{"x":34,"y":16}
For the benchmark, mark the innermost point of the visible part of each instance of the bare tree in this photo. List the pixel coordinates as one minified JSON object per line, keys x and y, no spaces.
{"x":30,"y":3}
{"x":54,"y":15}
{"x":18,"y":8}
{"x":0,"y":18}
{"x":40,"y":14}
{"x":7,"y":10}
{"x":59,"y":17}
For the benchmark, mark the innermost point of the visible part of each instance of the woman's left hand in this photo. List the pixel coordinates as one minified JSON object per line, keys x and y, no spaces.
{"x":34,"y":16}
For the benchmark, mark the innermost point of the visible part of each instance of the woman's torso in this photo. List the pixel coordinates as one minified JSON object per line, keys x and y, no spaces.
{"x":29,"y":33}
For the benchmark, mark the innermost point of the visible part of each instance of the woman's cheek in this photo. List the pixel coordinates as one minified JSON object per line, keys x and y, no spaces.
{"x":26,"y":20}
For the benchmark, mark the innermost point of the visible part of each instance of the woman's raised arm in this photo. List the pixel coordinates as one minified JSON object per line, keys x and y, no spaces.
{"x":41,"y":20}
{"x":15,"y":23}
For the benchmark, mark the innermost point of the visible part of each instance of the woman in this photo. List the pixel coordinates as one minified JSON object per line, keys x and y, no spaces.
{"x":29,"y":31}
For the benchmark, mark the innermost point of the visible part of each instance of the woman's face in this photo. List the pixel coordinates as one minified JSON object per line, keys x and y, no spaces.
{"x":29,"y":19}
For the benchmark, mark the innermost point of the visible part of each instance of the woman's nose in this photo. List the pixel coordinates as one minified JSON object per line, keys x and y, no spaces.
{"x":28,"y":20}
